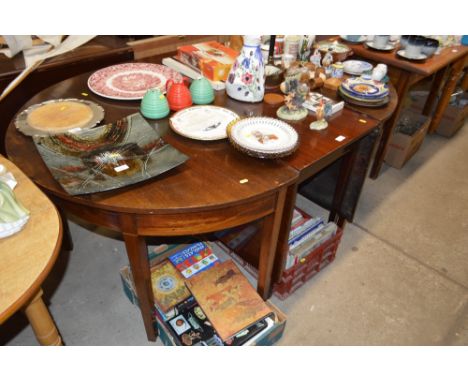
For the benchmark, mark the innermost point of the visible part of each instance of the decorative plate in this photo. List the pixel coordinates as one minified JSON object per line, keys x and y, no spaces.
{"x":356,"y":67}
{"x":361,"y":99}
{"x":420,"y":57}
{"x":354,"y":39}
{"x":109,"y":156}
{"x":386,"y":48}
{"x":362,"y":88}
{"x":206,"y":123}
{"x":360,"y":102}
{"x":131,"y":81}
{"x":263,"y":137}
{"x":59,"y":116}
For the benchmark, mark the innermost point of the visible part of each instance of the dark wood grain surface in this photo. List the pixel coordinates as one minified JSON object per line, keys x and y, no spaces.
{"x":424,"y":68}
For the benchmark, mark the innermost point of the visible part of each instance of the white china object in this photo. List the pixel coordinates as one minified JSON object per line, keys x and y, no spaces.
{"x":403,"y":53}
{"x":379,"y":72}
{"x":263,"y":136}
{"x":246,"y":80}
{"x":356,"y":67}
{"x":8,"y":229}
{"x":355,"y":39}
{"x":387,"y":47}
{"x":380,"y":41}
{"x":206,"y":123}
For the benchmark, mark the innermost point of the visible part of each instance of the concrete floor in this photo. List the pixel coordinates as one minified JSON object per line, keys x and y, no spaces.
{"x":400,"y":276}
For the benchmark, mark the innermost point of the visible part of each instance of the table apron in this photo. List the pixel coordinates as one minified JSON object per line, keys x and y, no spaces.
{"x":175,"y":224}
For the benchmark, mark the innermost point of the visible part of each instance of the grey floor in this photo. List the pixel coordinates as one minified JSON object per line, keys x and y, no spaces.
{"x":400,"y":276}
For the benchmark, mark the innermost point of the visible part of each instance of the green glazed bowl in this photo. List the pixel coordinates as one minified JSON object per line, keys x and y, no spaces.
{"x":201,"y":91}
{"x":154,"y":105}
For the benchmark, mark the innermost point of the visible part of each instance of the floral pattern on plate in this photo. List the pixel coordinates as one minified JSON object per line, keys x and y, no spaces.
{"x":131,"y":81}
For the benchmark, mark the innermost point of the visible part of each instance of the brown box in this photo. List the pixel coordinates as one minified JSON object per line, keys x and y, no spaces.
{"x":402,"y":147}
{"x":453,"y":118}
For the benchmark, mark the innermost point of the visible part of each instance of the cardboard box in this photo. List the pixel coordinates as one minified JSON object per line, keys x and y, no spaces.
{"x":454,"y":116}
{"x":268,"y":338}
{"x":402,"y":146}
{"x":213,"y":59}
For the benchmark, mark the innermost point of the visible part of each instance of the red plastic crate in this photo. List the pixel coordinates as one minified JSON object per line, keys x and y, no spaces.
{"x":294,"y":277}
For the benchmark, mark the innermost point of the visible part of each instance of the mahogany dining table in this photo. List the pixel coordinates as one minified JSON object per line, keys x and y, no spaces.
{"x":447,"y":68}
{"x":218,"y":187}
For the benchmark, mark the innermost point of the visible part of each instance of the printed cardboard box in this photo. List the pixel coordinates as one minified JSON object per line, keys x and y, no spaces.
{"x":213,"y":59}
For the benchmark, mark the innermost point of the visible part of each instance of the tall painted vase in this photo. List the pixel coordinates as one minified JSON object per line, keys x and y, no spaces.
{"x":246,"y":80}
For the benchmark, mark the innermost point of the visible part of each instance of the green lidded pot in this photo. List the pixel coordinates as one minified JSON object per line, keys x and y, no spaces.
{"x":154,"y":105}
{"x":201,"y":91}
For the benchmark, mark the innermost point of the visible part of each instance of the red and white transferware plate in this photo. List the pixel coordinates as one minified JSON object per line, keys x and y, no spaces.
{"x":131,"y":81}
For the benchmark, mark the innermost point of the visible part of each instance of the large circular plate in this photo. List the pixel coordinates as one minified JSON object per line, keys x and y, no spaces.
{"x":356,"y":67}
{"x":205,"y":123}
{"x":263,"y":137}
{"x":362,"y":88}
{"x":131,"y":81}
{"x":62,"y":120}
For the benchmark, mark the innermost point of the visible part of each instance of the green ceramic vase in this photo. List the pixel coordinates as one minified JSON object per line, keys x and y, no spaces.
{"x":202,"y":92}
{"x":154,"y":105}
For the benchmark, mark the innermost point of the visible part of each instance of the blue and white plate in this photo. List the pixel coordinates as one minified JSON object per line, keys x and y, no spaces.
{"x":356,"y":67}
{"x":366,"y":89}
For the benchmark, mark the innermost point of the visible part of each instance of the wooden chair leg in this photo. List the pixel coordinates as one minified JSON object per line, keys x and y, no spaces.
{"x":41,"y":321}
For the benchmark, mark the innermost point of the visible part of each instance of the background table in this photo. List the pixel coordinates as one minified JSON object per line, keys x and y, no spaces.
{"x":101,"y":51}
{"x":407,"y":73}
{"x":27,"y":257}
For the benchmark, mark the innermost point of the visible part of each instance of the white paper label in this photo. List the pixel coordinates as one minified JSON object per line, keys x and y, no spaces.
{"x":121,"y":168}
{"x":340,"y":138}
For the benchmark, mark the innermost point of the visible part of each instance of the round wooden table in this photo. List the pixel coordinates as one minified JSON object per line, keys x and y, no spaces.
{"x":27,"y":257}
{"x":216,"y":188}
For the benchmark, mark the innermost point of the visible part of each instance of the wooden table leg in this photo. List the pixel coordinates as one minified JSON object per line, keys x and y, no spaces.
{"x":402,"y":89}
{"x":42,"y":324}
{"x":454,"y":76}
{"x":282,"y":248}
{"x":431,"y":98}
{"x":137,"y":253}
{"x":269,"y":236}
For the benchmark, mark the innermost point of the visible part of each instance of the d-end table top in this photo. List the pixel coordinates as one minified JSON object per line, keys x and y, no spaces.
{"x":27,"y":257}
{"x":215,"y":176}
{"x":425,"y":68}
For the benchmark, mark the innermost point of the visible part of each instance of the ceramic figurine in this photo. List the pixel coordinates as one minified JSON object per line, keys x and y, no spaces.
{"x":246,"y":80}
{"x":316,"y":58}
{"x":201,"y":91}
{"x":327,"y":61}
{"x":320,"y":113}
{"x":178,"y":95}
{"x":154,"y":105}
{"x":293,"y":109}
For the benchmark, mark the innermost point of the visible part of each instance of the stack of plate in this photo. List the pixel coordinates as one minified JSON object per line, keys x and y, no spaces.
{"x":361,"y":92}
